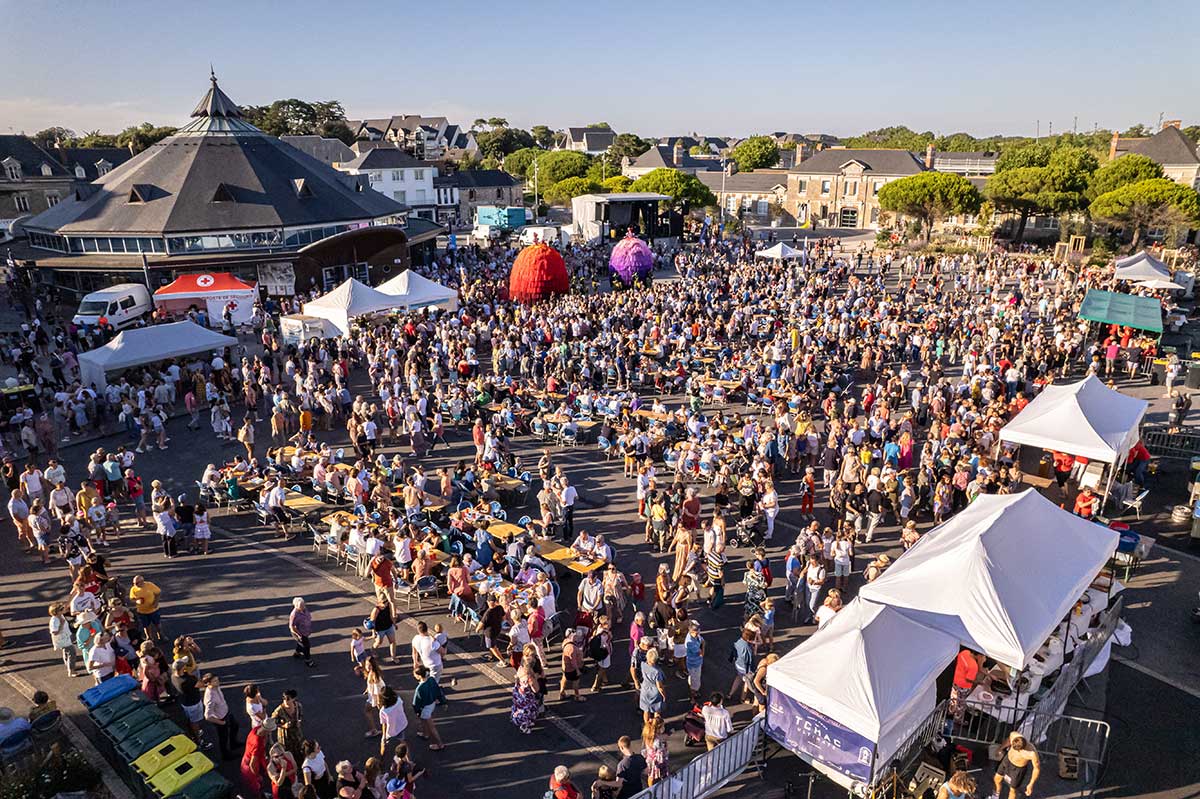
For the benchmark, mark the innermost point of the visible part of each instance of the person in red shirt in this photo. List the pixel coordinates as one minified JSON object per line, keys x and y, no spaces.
{"x":1139,"y":456}
{"x":560,"y":784}
{"x":1062,"y":468}
{"x":381,"y":571}
{"x":968,"y":672}
{"x":1085,"y":503}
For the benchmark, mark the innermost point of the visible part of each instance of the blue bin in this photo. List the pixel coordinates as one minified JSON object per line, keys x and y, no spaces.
{"x":106,"y":691}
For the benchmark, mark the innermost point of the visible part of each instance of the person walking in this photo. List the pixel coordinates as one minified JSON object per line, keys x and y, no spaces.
{"x":426,"y":698}
{"x":653,"y":693}
{"x":300,"y":627}
{"x":717,"y":724}
{"x":246,"y":436}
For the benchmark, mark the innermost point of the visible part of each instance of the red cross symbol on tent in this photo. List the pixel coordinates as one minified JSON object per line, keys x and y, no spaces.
{"x":204,"y":281}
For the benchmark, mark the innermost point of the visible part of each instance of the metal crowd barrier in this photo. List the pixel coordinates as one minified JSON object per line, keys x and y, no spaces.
{"x":709,"y":772}
{"x":1176,"y":446}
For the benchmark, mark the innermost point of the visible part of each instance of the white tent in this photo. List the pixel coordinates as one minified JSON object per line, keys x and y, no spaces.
{"x":148,"y":344}
{"x":1160,"y":284}
{"x":999,"y":576}
{"x":417,"y":291}
{"x":870,"y":671}
{"x":1141,"y":266}
{"x":779,"y":252}
{"x":1086,"y":418}
{"x":347,"y":301}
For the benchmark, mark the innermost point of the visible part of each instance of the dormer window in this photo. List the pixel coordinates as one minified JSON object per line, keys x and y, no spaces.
{"x":223,"y":194}
{"x":103,"y":167}
{"x":47,"y":170}
{"x":12,"y":168}
{"x":302,"y":189}
{"x":79,"y":172}
{"x":140,"y":193}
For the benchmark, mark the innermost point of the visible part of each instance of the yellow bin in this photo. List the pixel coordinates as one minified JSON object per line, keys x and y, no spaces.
{"x":159,"y":757}
{"x":172,"y":779}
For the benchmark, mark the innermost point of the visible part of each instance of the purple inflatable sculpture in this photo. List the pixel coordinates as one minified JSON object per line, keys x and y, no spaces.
{"x":631,"y":259}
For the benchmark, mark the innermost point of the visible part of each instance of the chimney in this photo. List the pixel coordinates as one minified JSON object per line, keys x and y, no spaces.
{"x":677,"y":153}
{"x":929,"y":156}
{"x":801,"y":152}
{"x":1112,"y":145}
{"x":1172,"y":123}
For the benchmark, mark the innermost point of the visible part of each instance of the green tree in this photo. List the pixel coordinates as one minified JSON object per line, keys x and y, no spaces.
{"x":679,"y":186}
{"x":1154,"y":203}
{"x":1070,"y":171}
{"x":337,"y":129}
{"x":95,"y":139}
{"x":1138,"y":131}
{"x":756,"y":152}
{"x":897,"y":137}
{"x":1192,"y":132}
{"x":601,"y":125}
{"x":1024,"y":155}
{"x":1020,"y":190}
{"x":1127,"y":169}
{"x":564,"y":190}
{"x":488,"y":162}
{"x":48,"y":138}
{"x":479,"y":122}
{"x":543,"y":136}
{"x":497,"y":122}
{"x":139,"y":137}
{"x":501,"y":141}
{"x":559,"y":165}
{"x":518,"y":163}
{"x":617,"y":184}
{"x":930,"y":197}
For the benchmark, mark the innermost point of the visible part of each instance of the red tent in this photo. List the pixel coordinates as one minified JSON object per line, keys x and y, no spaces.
{"x":537,"y":274}
{"x":210,"y":291}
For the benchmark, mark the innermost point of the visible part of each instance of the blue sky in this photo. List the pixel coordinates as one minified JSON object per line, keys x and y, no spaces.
{"x":651,"y":67}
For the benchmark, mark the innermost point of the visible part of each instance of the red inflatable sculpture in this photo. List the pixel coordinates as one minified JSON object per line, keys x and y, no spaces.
{"x":538,"y":273}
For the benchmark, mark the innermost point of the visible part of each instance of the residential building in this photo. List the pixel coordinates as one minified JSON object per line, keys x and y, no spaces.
{"x":31,"y":180}
{"x":396,"y":174}
{"x":593,"y":141}
{"x":221,"y":195}
{"x":91,"y":163}
{"x":662,"y":157}
{"x":330,"y":152}
{"x":714,"y":145}
{"x":1169,"y":148}
{"x":460,"y":193}
{"x":840,"y":187}
{"x":966,"y":163}
{"x":755,"y":194}
{"x":423,"y":137}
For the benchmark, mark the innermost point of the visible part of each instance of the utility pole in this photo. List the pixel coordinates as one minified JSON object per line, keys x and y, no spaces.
{"x":721,"y":203}
{"x":536,"y":168}
{"x":1039,"y":131}
{"x":1075,"y":124}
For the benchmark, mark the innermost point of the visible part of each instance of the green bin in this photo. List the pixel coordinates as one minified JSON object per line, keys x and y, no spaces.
{"x":121,"y":706}
{"x":131,"y":722}
{"x":207,"y":786}
{"x":141,"y":741}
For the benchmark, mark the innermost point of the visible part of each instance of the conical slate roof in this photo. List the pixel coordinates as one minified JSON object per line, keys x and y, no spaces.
{"x":217,"y":173}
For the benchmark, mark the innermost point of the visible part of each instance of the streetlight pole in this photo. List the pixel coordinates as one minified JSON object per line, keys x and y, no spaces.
{"x":536,"y":168}
{"x":724,"y":172}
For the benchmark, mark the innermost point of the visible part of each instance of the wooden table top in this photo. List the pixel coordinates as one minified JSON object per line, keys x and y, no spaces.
{"x":646,"y":413}
{"x":302,"y":503}
{"x":499,"y":529}
{"x":565,"y":556}
{"x":504,"y":482}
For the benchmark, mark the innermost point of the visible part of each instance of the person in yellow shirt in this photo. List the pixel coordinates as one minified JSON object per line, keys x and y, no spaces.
{"x":86,"y":493}
{"x":144,"y":595}
{"x":306,"y":421}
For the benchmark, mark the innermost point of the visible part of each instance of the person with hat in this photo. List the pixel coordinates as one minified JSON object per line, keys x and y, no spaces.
{"x":877,"y":567}
{"x":254,"y":757}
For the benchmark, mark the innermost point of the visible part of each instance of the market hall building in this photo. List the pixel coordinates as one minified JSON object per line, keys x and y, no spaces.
{"x":222,"y":196}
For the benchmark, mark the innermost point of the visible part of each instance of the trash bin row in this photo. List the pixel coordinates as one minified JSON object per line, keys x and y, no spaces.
{"x":152,"y":753}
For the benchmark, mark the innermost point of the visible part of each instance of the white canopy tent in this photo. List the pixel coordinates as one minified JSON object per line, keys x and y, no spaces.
{"x":146,"y":345}
{"x":1000,"y":576}
{"x":347,"y":301}
{"x":1086,"y":418}
{"x":1160,"y":284}
{"x":417,"y":291}
{"x":882,"y":688}
{"x":779,"y":252}
{"x":1141,"y":266}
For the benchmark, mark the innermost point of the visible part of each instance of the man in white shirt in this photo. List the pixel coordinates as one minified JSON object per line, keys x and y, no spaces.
{"x":103,"y":660}
{"x":276,"y":497}
{"x":566,"y":498}
{"x":717,"y":724}
{"x":427,"y":651}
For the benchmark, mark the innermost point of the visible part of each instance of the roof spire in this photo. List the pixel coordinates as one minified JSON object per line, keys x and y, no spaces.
{"x":212,"y":75}
{"x":215,"y":102}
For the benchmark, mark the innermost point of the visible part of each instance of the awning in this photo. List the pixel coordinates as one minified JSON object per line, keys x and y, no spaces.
{"x":1141,"y":313}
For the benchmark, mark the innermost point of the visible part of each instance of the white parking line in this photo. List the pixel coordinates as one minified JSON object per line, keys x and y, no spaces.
{"x":575,"y":734}
{"x":1187,"y":689}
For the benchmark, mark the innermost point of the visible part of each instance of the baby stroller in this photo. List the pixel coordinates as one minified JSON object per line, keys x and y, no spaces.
{"x":693,"y":727}
{"x":748,"y":531}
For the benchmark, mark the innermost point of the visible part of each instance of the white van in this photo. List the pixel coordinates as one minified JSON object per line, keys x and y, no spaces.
{"x":122,"y":305}
{"x":550,"y":234}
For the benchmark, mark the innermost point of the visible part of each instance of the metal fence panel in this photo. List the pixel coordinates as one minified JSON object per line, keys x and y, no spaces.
{"x":1175,"y":446}
{"x":707,"y":773}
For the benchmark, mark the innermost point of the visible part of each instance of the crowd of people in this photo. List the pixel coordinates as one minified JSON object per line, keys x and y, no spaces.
{"x":878,"y":380}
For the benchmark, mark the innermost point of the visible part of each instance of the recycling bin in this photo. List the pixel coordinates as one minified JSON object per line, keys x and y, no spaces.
{"x":207,"y":786}
{"x":163,"y":754}
{"x":136,"y":744}
{"x":120,"y":706}
{"x":176,"y":776}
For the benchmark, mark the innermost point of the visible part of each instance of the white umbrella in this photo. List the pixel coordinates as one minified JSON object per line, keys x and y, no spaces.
{"x":1159,"y":283}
